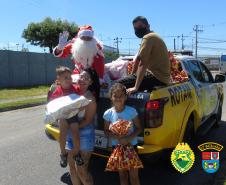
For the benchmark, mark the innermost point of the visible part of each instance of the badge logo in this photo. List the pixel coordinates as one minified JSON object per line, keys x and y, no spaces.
{"x":210,"y":156}
{"x":182,"y":157}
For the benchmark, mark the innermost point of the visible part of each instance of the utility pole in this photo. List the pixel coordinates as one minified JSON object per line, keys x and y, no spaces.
{"x":117,"y":41}
{"x":17,"y":46}
{"x":178,"y":38}
{"x":174,"y":44}
{"x":196,"y":29}
{"x":129,"y":47}
{"x":182,"y":39}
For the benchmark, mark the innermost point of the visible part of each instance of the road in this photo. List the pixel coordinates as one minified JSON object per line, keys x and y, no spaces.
{"x":27,"y":157}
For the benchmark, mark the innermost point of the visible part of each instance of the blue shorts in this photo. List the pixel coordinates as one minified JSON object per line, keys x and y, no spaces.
{"x":87,"y":139}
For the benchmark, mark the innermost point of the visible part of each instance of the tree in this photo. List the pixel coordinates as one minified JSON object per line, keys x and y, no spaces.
{"x":110,"y":56}
{"x":46,"y":33}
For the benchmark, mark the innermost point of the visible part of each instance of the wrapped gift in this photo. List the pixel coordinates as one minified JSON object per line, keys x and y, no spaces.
{"x":177,"y":72}
{"x":64,"y":107}
{"x":123,"y":157}
{"x":117,"y":69}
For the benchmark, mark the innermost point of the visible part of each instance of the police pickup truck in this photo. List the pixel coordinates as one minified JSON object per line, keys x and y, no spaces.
{"x":170,"y":114}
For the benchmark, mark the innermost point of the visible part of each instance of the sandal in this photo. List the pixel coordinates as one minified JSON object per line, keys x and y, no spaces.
{"x":63,"y":160}
{"x":78,"y":159}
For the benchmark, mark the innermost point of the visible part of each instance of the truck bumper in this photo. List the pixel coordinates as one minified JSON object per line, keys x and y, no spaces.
{"x":144,"y":149}
{"x":52,"y":132}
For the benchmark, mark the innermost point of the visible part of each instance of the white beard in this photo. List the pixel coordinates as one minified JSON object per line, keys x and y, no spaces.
{"x":84,"y":51}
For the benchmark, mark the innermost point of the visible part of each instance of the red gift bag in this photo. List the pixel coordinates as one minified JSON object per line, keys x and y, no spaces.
{"x":123,"y":157}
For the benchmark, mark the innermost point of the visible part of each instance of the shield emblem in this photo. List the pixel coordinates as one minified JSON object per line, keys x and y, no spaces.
{"x":210,"y":161}
{"x":182,"y":157}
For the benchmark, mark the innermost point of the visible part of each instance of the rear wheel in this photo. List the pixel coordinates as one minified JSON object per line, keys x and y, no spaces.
{"x":189,"y":132}
{"x":219,"y":114}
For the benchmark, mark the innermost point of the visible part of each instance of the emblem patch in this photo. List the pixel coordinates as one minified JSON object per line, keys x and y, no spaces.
{"x":182,"y":157}
{"x":210,"y":156}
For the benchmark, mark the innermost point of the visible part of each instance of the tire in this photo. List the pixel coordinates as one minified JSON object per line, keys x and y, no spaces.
{"x":219,"y":114}
{"x":189,"y":132}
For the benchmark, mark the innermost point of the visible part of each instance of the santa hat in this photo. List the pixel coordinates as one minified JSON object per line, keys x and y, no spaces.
{"x":85,"y":31}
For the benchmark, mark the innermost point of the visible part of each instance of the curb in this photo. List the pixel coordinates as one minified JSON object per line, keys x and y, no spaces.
{"x":21,"y":106}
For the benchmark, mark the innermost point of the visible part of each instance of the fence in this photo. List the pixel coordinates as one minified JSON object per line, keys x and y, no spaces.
{"x":19,"y":69}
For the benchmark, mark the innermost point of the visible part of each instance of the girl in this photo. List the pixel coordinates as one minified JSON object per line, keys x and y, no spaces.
{"x":121,"y":111}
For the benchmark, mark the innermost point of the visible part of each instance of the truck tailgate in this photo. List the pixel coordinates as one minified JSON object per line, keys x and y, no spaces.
{"x":136,"y":100}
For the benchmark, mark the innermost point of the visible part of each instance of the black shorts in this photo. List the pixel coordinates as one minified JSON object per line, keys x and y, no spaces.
{"x":148,"y":83}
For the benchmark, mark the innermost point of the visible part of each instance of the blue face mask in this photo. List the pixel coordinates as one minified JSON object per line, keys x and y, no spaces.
{"x":140,"y":32}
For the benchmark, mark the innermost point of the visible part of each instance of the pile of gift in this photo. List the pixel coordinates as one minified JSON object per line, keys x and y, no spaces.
{"x":177,"y":72}
{"x":123,"y":157}
{"x":116,"y":70}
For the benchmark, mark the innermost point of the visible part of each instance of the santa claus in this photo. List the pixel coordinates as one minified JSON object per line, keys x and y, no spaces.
{"x":86,"y":50}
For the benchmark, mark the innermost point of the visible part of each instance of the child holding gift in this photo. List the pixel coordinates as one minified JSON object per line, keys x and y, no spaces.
{"x":123,"y":114}
{"x":65,"y":88}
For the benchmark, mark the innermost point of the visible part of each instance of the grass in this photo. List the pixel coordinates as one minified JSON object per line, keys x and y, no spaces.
{"x":27,"y":102}
{"x":12,"y":93}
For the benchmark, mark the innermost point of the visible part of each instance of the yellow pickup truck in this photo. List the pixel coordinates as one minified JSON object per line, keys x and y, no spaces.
{"x":169,"y":114}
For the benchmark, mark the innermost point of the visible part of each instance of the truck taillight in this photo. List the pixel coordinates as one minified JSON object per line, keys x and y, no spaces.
{"x":154,"y":112}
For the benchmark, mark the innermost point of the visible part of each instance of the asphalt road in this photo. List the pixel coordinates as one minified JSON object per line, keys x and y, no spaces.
{"x":27,"y":157}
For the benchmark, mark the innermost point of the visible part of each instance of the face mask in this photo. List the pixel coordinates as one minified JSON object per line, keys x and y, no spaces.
{"x":140,"y":32}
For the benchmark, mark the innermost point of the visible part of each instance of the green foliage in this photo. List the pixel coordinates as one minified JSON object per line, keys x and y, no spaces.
{"x":110,"y":56}
{"x":21,"y":92}
{"x":46,"y":33}
{"x":21,"y":103}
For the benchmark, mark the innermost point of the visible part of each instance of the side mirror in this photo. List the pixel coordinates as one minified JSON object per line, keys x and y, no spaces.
{"x":219,"y":78}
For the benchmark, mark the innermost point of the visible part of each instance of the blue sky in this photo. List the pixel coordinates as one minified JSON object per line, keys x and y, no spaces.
{"x":111,"y":19}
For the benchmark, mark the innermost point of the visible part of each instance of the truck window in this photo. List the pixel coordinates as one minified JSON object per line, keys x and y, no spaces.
{"x":195,"y":70}
{"x":207,"y":76}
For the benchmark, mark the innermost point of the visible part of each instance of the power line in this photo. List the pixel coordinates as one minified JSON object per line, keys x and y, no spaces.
{"x":217,"y":40}
{"x":214,"y":24}
{"x":212,"y":48}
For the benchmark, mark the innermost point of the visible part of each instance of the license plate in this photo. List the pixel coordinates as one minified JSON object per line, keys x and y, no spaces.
{"x":101,"y":141}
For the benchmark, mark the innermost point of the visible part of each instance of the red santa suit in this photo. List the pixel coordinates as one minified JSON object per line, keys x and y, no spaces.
{"x":85,"y":54}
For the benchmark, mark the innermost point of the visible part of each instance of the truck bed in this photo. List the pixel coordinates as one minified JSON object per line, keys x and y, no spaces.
{"x":137,"y":100}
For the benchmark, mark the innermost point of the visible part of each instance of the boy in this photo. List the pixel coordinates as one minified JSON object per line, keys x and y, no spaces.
{"x":65,"y":88}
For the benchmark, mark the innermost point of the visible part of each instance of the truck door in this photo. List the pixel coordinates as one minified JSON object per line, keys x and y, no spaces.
{"x":203,"y":86}
{"x":223,"y":64}
{"x":210,"y":87}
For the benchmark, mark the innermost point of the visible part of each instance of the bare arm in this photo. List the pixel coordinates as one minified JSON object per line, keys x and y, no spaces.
{"x":136,"y":61}
{"x":135,"y":66}
{"x":138,"y":129}
{"x":90,"y":111}
{"x":140,"y":74}
{"x":143,"y":58}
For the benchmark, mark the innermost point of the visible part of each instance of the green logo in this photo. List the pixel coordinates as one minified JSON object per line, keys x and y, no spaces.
{"x":182,"y":157}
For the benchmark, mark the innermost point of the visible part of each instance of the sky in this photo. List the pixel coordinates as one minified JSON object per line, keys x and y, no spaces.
{"x":111,"y":19}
